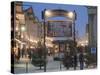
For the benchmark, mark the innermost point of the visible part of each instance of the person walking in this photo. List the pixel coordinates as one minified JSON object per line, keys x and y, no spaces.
{"x":18,"y":53}
{"x":75,"y":61}
{"x":30,"y":52}
{"x":81,"y":60}
{"x":67,"y":61}
{"x":22,"y":52}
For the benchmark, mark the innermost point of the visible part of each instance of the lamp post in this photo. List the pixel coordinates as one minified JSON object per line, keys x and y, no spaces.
{"x":43,"y":17}
{"x":73,"y":16}
{"x":22,"y":29}
{"x":74,"y":28}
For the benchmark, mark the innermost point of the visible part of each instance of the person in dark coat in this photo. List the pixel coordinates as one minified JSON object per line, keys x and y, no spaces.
{"x":17,"y":56}
{"x":75,"y":61}
{"x":81,"y":60}
{"x":29,"y":53}
{"x":22,"y":53}
{"x":67,"y":61}
{"x":18,"y":53}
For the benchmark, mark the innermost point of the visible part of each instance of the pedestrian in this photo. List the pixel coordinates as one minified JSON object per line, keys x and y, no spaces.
{"x":81,"y":60}
{"x":75,"y":61}
{"x":67,"y":61}
{"x":29,"y":53}
{"x":26,"y":52}
{"x":18,"y":53}
{"x":22,"y":52}
{"x":61,"y":55}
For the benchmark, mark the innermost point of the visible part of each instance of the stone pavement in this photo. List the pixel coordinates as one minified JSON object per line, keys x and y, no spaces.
{"x":52,"y":66}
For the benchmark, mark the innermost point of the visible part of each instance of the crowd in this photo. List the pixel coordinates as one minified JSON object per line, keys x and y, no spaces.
{"x":73,"y":60}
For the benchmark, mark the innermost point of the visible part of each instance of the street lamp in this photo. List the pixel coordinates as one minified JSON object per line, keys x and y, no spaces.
{"x":16,"y":28}
{"x":70,"y":15}
{"x":23,"y":28}
{"x":73,"y":16}
{"x":43,"y":17}
{"x":86,"y":42}
{"x":48,"y":13}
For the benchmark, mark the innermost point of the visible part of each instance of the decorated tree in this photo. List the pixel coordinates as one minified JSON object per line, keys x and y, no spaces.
{"x":38,"y":56}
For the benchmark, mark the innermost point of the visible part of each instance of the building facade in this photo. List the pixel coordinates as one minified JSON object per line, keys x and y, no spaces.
{"x":17,"y":22}
{"x":92,"y":26}
{"x":25,"y":28}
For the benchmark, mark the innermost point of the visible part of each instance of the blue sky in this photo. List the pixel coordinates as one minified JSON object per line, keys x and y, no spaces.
{"x":81,"y":11}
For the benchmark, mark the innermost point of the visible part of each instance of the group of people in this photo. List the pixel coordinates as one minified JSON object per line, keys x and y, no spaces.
{"x":68,"y":59}
{"x":22,"y":53}
{"x":72,"y":61}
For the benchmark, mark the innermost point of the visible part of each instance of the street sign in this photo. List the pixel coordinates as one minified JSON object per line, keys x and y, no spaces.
{"x":93,"y":50}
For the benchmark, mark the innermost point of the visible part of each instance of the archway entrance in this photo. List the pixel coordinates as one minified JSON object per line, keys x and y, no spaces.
{"x":57,"y":29}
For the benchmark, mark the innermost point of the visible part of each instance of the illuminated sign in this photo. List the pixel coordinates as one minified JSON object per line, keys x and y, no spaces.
{"x":93,"y":50}
{"x":59,"y":28}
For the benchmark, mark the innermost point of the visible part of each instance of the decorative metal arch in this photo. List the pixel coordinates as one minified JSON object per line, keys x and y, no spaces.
{"x":57,"y":12}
